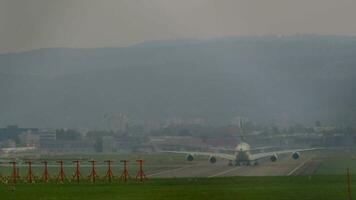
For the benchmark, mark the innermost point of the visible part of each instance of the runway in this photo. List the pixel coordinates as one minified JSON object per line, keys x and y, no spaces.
{"x":284,"y":167}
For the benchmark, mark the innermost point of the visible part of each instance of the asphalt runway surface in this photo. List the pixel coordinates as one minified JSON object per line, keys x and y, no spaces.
{"x":286,"y":166}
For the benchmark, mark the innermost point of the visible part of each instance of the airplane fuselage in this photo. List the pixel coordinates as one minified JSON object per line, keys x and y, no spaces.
{"x":242,"y":154}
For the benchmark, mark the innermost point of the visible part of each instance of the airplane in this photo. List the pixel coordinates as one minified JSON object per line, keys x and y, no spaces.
{"x":242,"y":155}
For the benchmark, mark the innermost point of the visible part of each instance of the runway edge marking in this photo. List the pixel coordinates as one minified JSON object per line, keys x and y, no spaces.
{"x":224,"y":172}
{"x":298,"y":167}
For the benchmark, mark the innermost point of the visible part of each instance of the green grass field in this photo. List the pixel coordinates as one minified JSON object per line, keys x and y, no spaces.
{"x":336,"y":162}
{"x":264,"y":188}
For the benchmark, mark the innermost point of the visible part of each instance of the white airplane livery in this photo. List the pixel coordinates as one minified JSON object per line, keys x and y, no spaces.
{"x":243,"y":155}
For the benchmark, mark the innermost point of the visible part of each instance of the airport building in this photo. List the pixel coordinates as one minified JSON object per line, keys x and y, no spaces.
{"x":48,"y":143}
{"x":70,"y":147}
{"x":177,"y":143}
{"x":13,"y":131}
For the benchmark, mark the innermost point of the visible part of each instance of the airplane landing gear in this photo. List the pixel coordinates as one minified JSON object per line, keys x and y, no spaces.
{"x":237,"y":163}
{"x":253,"y":163}
{"x":230,"y":163}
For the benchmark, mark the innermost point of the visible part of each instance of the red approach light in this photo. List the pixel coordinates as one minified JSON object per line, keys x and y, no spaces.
{"x":61,"y":175}
{"x":93,"y":175}
{"x":45,"y":175}
{"x":109,"y":174}
{"x":14,"y":175}
{"x":125,"y":173}
{"x":29,"y":176}
{"x":140,"y":174}
{"x":77,"y":174}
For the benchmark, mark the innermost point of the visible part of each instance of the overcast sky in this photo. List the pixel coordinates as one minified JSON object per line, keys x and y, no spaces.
{"x":30,"y":24}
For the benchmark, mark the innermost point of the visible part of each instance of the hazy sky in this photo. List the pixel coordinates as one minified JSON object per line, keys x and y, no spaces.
{"x":29,"y":24}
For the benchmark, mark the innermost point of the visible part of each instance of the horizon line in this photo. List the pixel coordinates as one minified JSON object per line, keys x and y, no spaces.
{"x":281,"y":36}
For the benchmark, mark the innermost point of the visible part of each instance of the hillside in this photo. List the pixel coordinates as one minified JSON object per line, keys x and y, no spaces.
{"x":278,"y":80}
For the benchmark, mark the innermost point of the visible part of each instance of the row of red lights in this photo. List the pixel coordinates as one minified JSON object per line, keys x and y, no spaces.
{"x":61,"y":177}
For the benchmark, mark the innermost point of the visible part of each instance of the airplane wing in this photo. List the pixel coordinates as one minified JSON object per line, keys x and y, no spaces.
{"x":264,"y":148}
{"x":255,"y":156}
{"x":258,"y":156}
{"x":218,"y":155}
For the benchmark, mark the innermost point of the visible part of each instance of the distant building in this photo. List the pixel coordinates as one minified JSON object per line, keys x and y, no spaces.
{"x":48,"y":143}
{"x":177,"y":143}
{"x":320,"y":129}
{"x":175,"y":121}
{"x":29,"y":139}
{"x":7,"y":144}
{"x":67,"y":147}
{"x":13,"y":131}
{"x":47,"y":136}
{"x":121,"y":144}
{"x":108,"y":144}
{"x":117,"y":122}
{"x":197,"y":121}
{"x":127,"y":144}
{"x":238,"y":120}
{"x":151,"y":126}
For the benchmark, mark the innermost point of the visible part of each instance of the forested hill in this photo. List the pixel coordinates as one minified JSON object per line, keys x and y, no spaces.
{"x":277,"y":80}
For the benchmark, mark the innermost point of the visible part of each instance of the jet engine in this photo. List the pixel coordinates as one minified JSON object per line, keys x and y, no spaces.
{"x":274,"y":158}
{"x":295,"y":155}
{"x":212,"y":159}
{"x":189,"y":157}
